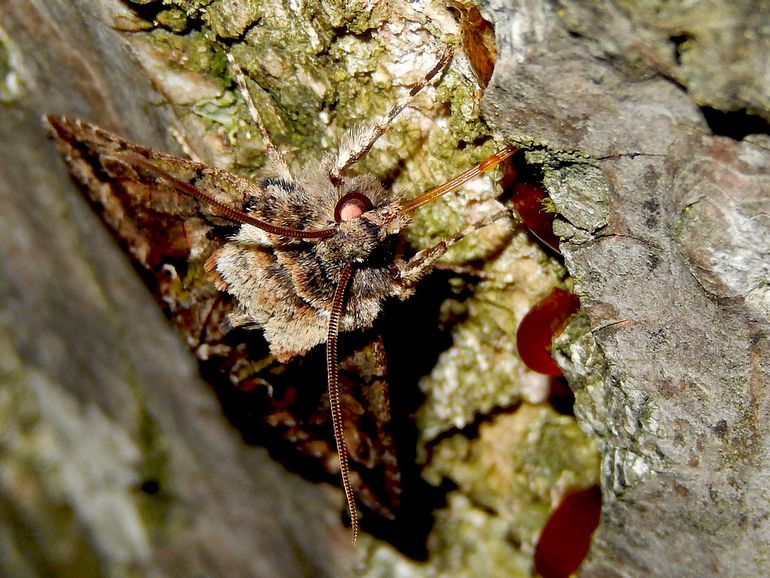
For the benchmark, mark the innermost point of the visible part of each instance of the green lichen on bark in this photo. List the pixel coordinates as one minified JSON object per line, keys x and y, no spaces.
{"x":482,"y":370}
{"x":40,"y":477}
{"x":509,"y":478}
{"x":314,"y":76}
{"x":519,"y":466}
{"x":319,"y":70}
{"x":154,"y":502}
{"x":465,"y":122}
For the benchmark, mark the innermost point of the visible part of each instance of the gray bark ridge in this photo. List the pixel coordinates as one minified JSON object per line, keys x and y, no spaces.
{"x":665,"y":229}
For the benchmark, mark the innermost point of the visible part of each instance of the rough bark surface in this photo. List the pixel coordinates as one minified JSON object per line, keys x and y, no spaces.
{"x":131,"y":465}
{"x":116,"y":457}
{"x":657,"y":157}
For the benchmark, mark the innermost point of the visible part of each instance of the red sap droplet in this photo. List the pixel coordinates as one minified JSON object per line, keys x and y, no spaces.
{"x":528,"y":202}
{"x":540,"y":325}
{"x":566,"y":537}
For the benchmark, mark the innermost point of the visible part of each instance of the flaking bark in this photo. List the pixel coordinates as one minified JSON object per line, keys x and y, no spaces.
{"x":664,"y":210}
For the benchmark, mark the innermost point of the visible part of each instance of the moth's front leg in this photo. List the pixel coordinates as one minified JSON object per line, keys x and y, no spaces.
{"x":185,"y":145}
{"x":410,"y":272}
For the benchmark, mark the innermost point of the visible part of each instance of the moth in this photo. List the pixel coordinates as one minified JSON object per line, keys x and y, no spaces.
{"x":301,"y":255}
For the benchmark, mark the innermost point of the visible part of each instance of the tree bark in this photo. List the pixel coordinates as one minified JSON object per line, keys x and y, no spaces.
{"x":650,"y":128}
{"x":116,"y":457}
{"x":655,"y":119}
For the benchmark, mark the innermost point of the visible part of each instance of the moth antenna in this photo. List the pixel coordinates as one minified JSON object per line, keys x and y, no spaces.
{"x":222,"y":208}
{"x":357,"y":143}
{"x":454,"y":184}
{"x":274,"y":155}
{"x":334,"y":392}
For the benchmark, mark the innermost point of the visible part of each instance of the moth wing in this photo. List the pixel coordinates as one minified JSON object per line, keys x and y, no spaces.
{"x":149,"y":215}
{"x":369,"y":428}
{"x":172,"y":235}
{"x":297,"y":409}
{"x":168,"y":233}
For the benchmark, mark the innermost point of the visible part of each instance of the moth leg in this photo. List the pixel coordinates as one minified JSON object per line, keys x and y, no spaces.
{"x":276,"y":161}
{"x":410,"y":273}
{"x":186,"y":148}
{"x":356,"y":143}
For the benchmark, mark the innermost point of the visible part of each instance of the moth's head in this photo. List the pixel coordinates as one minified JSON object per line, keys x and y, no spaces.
{"x":362,"y":214}
{"x":362,"y":196}
{"x":351,"y":206}
{"x":348,"y":215}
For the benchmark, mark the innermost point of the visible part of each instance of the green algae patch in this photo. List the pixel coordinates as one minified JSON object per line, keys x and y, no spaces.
{"x":520,"y":466}
{"x":482,"y":370}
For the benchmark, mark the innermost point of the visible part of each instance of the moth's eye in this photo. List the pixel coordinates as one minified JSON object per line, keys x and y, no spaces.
{"x":351,"y":206}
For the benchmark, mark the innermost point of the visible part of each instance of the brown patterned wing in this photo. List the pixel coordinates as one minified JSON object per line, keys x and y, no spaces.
{"x":170,"y":236}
